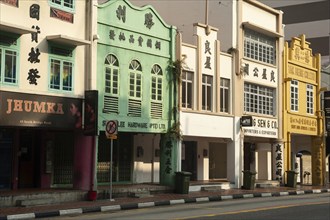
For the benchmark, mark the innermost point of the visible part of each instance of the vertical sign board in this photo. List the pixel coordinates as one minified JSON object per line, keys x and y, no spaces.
{"x":327,"y":119}
{"x":327,"y":110}
{"x":91,"y":113}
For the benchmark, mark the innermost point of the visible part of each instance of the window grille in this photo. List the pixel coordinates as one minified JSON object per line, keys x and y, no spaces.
{"x":259,"y":99}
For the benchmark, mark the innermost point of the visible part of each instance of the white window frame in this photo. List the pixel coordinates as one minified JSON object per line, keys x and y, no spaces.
{"x":135,"y":80}
{"x":259,"y":99}
{"x":294,"y":95}
{"x":156,"y":83}
{"x":224,"y":94}
{"x":207,"y":90}
{"x":187,"y":89}
{"x":111,"y":75}
{"x":310,"y":98}
{"x":259,"y":47}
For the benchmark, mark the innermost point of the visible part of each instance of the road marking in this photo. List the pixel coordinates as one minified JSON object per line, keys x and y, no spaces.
{"x":251,"y":210}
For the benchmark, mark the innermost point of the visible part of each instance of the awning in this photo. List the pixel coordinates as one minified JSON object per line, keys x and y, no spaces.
{"x":261,"y":30}
{"x":63,"y":39}
{"x":13,"y":28}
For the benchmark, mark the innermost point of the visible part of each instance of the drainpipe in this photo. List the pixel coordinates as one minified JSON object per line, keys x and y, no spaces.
{"x":88,"y":84}
{"x":153,"y":158}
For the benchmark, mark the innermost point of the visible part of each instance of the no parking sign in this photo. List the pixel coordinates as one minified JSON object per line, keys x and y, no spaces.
{"x":111,"y":129}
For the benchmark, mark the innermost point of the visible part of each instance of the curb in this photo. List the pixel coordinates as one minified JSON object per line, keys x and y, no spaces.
{"x":157,"y":203}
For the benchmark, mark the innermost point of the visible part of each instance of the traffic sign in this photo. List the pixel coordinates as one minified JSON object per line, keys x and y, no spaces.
{"x":111,"y":136}
{"x":111,"y":128}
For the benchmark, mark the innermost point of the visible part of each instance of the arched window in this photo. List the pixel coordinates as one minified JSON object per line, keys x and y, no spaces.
{"x":135,"y":79}
{"x":111,"y":75}
{"x":156,"y":83}
{"x":111,"y":86}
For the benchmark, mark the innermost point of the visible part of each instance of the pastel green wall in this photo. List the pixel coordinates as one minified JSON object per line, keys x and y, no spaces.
{"x":114,"y":22}
{"x":133,"y":23}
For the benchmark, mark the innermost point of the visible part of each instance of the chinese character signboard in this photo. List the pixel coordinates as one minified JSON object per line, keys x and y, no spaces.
{"x":260,"y":74}
{"x":279,"y":162}
{"x":207,"y":50}
{"x":327,"y":110}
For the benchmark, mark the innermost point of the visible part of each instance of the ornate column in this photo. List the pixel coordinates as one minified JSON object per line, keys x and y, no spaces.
{"x":317,"y":161}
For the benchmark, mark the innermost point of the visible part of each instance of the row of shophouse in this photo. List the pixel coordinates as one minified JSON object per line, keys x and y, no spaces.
{"x":68,"y":67}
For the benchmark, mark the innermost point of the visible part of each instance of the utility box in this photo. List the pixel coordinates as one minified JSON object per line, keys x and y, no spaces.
{"x":182,"y":180}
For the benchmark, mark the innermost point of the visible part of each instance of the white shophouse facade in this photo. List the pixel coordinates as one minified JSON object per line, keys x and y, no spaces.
{"x":207,"y":149}
{"x":257,"y":48}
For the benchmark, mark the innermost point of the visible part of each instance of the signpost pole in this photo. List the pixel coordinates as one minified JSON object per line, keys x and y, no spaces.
{"x":111,"y":150}
{"x":111,"y":130}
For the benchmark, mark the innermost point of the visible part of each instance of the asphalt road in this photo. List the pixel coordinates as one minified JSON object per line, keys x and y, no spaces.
{"x":302,"y":207}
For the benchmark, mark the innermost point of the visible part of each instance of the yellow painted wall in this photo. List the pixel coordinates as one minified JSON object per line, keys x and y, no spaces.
{"x":300,"y":64}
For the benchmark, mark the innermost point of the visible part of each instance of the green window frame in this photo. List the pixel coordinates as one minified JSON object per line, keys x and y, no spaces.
{"x":9,"y":60}
{"x":111,"y":75}
{"x":135,"y":79}
{"x":65,"y":5}
{"x":156,"y":83}
{"x":61,"y":69}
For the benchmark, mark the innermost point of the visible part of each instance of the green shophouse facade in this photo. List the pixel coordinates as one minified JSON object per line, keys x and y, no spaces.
{"x":136,"y":86}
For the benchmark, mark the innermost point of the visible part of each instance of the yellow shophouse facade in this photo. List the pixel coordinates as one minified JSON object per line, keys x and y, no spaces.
{"x":303,"y":129}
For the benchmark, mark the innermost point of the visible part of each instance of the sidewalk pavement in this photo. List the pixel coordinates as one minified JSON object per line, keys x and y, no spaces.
{"x":81,"y":207}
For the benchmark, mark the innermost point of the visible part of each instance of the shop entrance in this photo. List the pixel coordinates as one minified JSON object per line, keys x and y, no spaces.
{"x":303,"y":166}
{"x":122,"y":158}
{"x":189,"y":158}
{"x":6,"y":150}
{"x":217,"y":161}
{"x":249,"y":156}
{"x":28,"y":159}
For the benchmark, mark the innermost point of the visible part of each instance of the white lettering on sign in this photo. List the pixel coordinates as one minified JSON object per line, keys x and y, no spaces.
{"x":139,"y":125}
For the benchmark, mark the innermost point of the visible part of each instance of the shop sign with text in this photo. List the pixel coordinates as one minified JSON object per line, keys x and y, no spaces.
{"x":262,"y":127}
{"x":29,"y":110}
{"x":302,"y":125}
{"x":133,"y":126}
{"x":259,"y":73}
